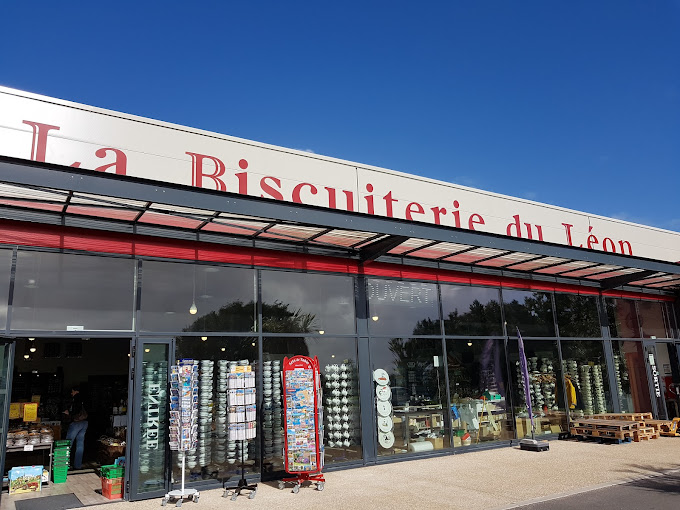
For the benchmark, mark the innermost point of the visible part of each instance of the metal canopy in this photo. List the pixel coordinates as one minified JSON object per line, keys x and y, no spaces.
{"x":47,"y":193}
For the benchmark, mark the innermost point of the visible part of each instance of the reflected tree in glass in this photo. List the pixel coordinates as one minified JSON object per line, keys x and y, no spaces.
{"x":577,"y":316}
{"x":530,"y":311}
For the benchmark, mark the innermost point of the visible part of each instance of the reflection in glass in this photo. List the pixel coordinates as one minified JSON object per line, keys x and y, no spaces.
{"x":585,"y":378}
{"x":577,"y":316}
{"x":221,"y":298}
{"x":530,"y":311}
{"x":478,"y":388}
{"x":154,"y":435}
{"x":5,"y":269}
{"x":307,"y":303}
{"x":216,"y":457}
{"x":339,"y":378}
{"x":545,"y":378}
{"x":55,"y":290}
{"x":654,"y":319}
{"x":411,"y":415}
{"x":402,"y":306}
{"x":471,"y":310}
{"x":623,"y":319}
{"x":631,"y":377}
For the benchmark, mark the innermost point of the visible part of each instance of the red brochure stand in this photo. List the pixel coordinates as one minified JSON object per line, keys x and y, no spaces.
{"x":303,"y":422}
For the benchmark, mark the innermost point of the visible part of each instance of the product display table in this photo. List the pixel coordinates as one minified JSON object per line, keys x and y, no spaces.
{"x":423,"y":421}
{"x":37,"y":447}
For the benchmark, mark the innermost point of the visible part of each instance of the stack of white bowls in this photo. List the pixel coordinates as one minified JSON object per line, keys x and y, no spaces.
{"x":221,"y":428}
{"x":268,"y":410}
{"x":586,"y":389}
{"x":277,"y":409}
{"x":205,"y":402}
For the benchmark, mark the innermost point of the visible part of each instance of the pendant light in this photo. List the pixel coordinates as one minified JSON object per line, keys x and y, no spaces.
{"x":193,"y":310}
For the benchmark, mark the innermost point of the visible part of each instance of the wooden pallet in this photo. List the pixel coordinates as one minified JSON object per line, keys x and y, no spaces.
{"x":587,"y":433}
{"x":622,"y":416}
{"x":645,"y":434}
{"x":657,"y":424}
{"x":600,"y":424}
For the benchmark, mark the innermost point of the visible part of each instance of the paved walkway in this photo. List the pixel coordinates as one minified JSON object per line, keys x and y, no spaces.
{"x":489,"y":480}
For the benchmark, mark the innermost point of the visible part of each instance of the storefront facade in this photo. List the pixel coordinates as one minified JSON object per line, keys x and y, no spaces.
{"x":239,"y":264}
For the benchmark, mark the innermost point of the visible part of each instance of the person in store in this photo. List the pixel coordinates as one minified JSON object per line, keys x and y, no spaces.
{"x":77,"y":416}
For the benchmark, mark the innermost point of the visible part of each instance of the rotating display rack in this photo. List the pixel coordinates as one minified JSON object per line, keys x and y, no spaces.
{"x":303,"y":422}
{"x":242,"y":416}
{"x":183,"y":420}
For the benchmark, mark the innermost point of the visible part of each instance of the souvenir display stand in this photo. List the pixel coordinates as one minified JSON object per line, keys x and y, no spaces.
{"x":242,"y":419}
{"x":183,"y":420}
{"x":303,"y":422}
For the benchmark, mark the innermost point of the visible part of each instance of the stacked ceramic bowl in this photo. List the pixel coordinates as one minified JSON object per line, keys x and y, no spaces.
{"x":205,"y":408}
{"x":268,"y":410}
{"x":221,"y":429}
{"x":277,"y":409}
{"x":586,"y":389}
{"x":598,"y":390}
{"x":223,"y":421}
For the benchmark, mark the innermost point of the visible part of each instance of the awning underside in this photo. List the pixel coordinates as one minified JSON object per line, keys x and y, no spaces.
{"x":18,"y":201}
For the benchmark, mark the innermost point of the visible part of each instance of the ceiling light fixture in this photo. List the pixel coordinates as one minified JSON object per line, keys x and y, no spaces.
{"x":193,"y":310}
{"x":469,"y":344}
{"x":375,"y":318}
{"x":223,"y":349}
{"x":204,"y":338}
{"x":321,"y":331}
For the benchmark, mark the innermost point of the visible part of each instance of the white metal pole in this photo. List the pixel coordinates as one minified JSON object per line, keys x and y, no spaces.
{"x":183,"y":455}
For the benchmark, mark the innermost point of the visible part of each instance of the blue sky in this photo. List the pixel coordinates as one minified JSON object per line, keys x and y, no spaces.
{"x":569,"y":103}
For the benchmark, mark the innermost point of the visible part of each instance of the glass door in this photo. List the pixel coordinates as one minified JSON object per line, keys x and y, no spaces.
{"x":655,"y":380}
{"x":148,"y":454}
{"x":6,"y":366}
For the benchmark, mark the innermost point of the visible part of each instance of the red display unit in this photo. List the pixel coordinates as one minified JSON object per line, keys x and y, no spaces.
{"x":303,"y":422}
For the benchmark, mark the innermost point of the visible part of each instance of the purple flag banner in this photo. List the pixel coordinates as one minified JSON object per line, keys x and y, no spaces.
{"x":525,"y":377}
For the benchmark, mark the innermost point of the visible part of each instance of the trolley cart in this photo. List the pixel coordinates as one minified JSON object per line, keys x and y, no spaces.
{"x":303,"y":419}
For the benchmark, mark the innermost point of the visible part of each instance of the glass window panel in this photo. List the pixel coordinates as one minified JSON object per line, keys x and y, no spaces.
{"x":545,"y":378}
{"x":577,"y":315}
{"x":654,"y":320}
{"x":623,"y":319}
{"x":416,"y":402}
{"x":54,"y":291}
{"x":5,"y":271}
{"x":222,"y":298}
{"x":398,"y":307}
{"x":585,"y":378}
{"x":216,"y":457}
{"x":307,"y":303}
{"x":339,"y":376}
{"x":531,"y":312}
{"x":471,"y":310}
{"x":631,"y":377}
{"x":478,"y":385}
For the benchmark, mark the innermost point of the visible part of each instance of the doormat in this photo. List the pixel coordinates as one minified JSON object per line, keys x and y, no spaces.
{"x":58,"y":502}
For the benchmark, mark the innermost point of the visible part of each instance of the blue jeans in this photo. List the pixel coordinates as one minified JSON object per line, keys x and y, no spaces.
{"x":76,"y":433}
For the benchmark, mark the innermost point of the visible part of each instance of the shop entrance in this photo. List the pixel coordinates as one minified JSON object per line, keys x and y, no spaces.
{"x":65,"y":388}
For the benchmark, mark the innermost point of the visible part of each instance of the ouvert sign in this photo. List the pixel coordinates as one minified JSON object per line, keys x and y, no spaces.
{"x":40,"y":128}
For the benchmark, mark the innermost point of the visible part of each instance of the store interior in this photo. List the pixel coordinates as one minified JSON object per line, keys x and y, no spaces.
{"x":46,"y":370}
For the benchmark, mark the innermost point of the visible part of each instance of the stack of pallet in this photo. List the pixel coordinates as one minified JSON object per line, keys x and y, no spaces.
{"x":618,"y":431}
{"x":647,"y":428}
